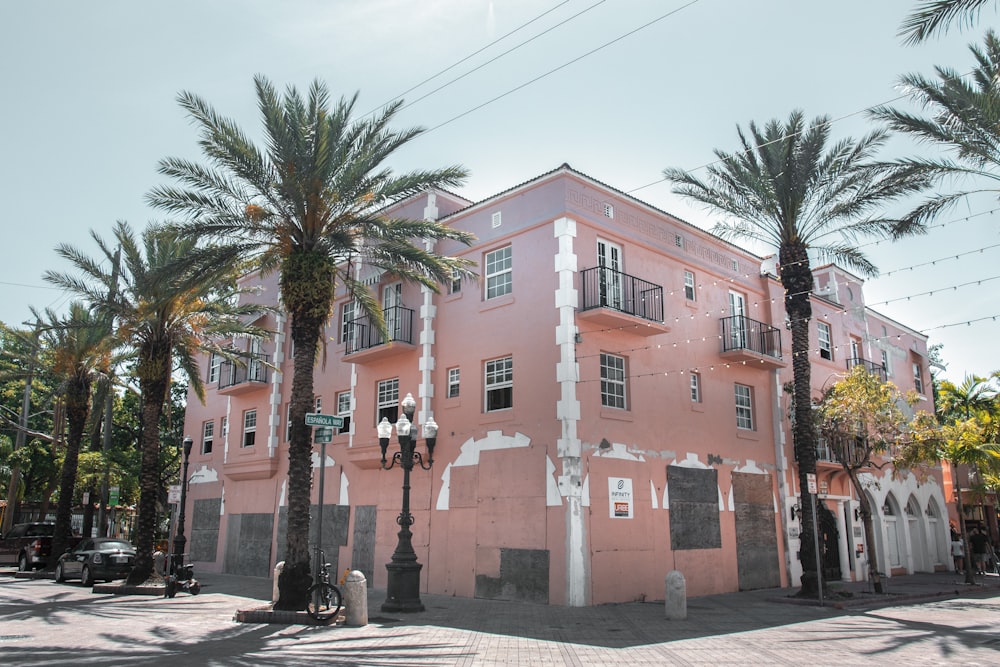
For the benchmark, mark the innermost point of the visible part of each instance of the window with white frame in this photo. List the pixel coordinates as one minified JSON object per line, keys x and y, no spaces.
{"x":689,"y":286}
{"x":207,"y":436}
{"x":214,"y":366}
{"x":918,"y":378}
{"x":288,"y":423}
{"x":454,"y":376}
{"x":499,"y":375}
{"x":613,"y":381}
{"x":249,"y":428}
{"x":455,"y":284}
{"x":744,"y":407}
{"x":695,"y":387}
{"x":388,"y":400}
{"x":885,"y":364}
{"x":347,"y":315}
{"x":825,"y":341}
{"x":499,"y":272}
{"x":224,"y":427}
{"x":344,"y":410}
{"x":609,"y":210}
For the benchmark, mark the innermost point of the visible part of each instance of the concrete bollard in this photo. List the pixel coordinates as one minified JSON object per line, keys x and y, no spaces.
{"x":356,"y":599}
{"x":676,"y":596}
{"x":274,"y":585}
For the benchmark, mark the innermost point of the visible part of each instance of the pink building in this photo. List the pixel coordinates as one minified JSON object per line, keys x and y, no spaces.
{"x":611,"y":408}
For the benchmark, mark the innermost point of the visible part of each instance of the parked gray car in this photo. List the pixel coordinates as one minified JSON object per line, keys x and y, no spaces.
{"x":96,"y":559}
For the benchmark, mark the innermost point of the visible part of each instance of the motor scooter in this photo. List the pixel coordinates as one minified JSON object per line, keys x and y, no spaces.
{"x":181,"y":579}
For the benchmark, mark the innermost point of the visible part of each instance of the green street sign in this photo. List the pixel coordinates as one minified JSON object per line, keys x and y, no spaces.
{"x":318,"y":419}
{"x":323,"y":434}
{"x":113,"y":496}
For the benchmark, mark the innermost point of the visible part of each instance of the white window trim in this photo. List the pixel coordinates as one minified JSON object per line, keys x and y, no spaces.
{"x":502,"y":366}
{"x":609,"y":381}
{"x":690,"y":293}
{"x":827,"y":344}
{"x":454,"y":383}
{"x":497,"y":279}
{"x":207,"y":435}
{"x":744,"y":407}
{"x":249,"y":428}
{"x":695,"y":386}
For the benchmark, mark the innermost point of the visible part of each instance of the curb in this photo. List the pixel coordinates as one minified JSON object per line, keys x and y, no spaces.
{"x":265,"y":614}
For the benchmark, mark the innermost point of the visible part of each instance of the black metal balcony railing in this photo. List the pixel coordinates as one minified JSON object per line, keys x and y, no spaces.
{"x":363,"y":335}
{"x":606,"y":288}
{"x":252,"y":369}
{"x":877,"y":370}
{"x":743,"y":333}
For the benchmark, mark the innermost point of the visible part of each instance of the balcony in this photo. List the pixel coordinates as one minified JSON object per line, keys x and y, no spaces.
{"x":237,"y":377}
{"x":617,"y":300}
{"x":875,"y":369}
{"x":749,"y":341}
{"x":365,"y":342}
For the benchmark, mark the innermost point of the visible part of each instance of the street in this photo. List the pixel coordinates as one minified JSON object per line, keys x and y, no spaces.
{"x":44,"y":623}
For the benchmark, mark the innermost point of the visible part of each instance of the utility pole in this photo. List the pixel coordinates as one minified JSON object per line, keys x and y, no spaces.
{"x":13,"y":491}
{"x":102,"y":513}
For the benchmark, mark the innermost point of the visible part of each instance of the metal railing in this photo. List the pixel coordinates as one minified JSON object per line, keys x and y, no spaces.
{"x":251,"y":369}
{"x":607,"y":288}
{"x":742,"y":333}
{"x":363,"y":335}
{"x":875,"y":369}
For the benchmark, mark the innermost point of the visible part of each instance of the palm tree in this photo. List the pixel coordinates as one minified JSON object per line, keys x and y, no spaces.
{"x":962,"y":117}
{"x":961,"y":401}
{"x":789,"y":188}
{"x":935,"y":16}
{"x":163,"y":314}
{"x":79,"y":348}
{"x":309,"y":202}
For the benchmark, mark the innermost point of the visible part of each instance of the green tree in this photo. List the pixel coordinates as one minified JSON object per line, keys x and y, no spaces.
{"x":165,"y":309}
{"x":792,"y":189}
{"x":309,"y":202}
{"x":80,"y":349}
{"x":960,"y":442}
{"x":935,"y":16}
{"x":961,"y":116}
{"x":862,"y":420}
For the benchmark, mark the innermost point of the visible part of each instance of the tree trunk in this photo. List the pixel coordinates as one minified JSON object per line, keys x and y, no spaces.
{"x":154,"y":375}
{"x":970,"y":576}
{"x":797,"y":280}
{"x":874,"y":574}
{"x":307,"y":291}
{"x":77,"y":411}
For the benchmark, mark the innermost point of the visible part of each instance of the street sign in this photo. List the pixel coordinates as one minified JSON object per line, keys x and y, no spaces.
{"x":811,"y":482}
{"x":174,"y":493}
{"x":323,"y":434}
{"x":113,"y":496}
{"x":318,"y":419}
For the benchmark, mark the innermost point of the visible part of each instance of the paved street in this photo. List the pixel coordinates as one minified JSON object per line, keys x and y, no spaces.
{"x":44,"y":623}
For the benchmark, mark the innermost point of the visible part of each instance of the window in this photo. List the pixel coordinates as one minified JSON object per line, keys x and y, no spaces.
{"x":453,"y":379}
{"x":224,"y":427}
{"x":496,"y":220}
{"x":347,"y":315}
{"x":612,"y":381}
{"x":455,"y":284}
{"x":689,"y":286}
{"x":214,"y":364}
{"x":388,"y":400}
{"x":855,"y":348}
{"x":696,"y":387}
{"x":500,"y":384}
{"x":885,"y":363}
{"x":498,"y":273}
{"x":918,"y":378}
{"x":744,"y":407}
{"x":344,"y":410}
{"x":825,"y":348}
{"x":207,"y":435}
{"x":678,"y":240}
{"x":318,"y":404}
{"x":609,"y":210}
{"x":288,"y":424}
{"x":249,"y":428}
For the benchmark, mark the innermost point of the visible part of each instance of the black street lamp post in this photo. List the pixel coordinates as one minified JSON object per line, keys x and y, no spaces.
{"x":180,"y":542}
{"x":403,"y":587}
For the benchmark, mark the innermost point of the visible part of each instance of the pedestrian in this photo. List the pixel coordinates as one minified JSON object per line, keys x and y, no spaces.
{"x":958,"y":553}
{"x":979,"y":542}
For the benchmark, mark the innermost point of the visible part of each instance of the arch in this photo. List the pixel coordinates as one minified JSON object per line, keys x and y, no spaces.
{"x":894,"y":533}
{"x":939,"y":538}
{"x":917,"y":529}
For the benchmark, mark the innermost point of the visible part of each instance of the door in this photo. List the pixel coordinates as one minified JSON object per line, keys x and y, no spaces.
{"x":737,"y":321}
{"x":609,"y":258}
{"x":392,"y":301}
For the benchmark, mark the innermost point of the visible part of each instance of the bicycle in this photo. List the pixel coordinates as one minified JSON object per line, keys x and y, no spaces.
{"x":325,"y":599}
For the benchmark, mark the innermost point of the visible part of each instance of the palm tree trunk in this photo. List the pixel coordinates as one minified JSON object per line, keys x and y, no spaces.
{"x":154,"y":375}
{"x":77,"y":410}
{"x":307,"y":290}
{"x":797,"y":279}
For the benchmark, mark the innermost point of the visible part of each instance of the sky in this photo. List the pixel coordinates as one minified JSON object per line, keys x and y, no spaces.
{"x":619,"y":89}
